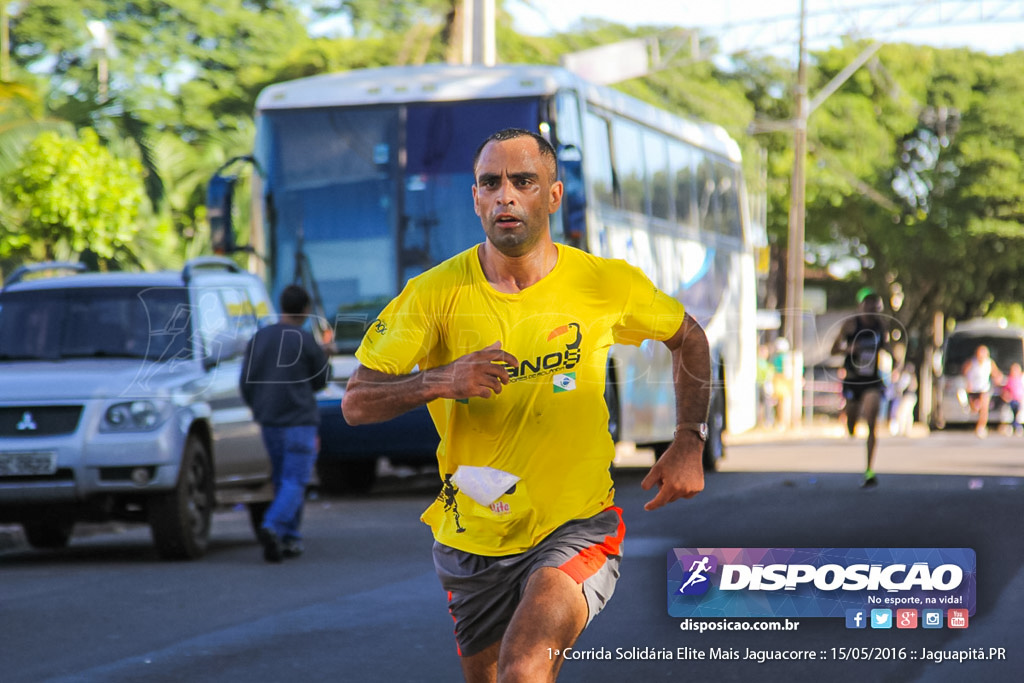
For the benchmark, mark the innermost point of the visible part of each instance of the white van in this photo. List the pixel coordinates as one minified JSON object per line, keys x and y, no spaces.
{"x":1006,"y":346}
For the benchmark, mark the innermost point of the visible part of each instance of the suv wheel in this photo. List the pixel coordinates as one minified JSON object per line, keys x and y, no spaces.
{"x":48,"y":533}
{"x":180,"y":519}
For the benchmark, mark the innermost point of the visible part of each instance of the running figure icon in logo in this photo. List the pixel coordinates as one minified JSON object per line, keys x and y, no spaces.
{"x":696,"y":582}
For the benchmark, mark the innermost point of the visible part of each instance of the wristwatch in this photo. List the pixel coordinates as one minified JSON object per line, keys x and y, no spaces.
{"x":700,"y":427}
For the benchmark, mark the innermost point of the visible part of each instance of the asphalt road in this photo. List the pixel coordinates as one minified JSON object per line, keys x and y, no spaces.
{"x":363,"y":603}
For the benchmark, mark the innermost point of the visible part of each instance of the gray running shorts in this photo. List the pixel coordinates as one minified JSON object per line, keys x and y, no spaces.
{"x":483,"y":592}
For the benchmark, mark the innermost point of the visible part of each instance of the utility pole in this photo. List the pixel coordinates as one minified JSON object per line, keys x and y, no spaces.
{"x":101,"y":47}
{"x":478,"y":43}
{"x":795,"y":255}
{"x":805,"y":106}
{"x":5,"y":43}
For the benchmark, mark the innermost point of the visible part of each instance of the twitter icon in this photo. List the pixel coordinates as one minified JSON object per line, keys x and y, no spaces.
{"x":881,"y":618}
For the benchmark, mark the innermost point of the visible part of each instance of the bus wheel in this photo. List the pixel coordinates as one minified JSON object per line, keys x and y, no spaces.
{"x":714,"y":447}
{"x":347,"y":477}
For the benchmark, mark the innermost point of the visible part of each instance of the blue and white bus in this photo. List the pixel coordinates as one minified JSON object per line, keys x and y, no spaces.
{"x":362,"y":180}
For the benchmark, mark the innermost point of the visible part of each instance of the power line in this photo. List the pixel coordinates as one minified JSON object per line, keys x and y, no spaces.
{"x":860,"y":21}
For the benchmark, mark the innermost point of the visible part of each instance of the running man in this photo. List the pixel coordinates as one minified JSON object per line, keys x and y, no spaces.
{"x":862,"y":340}
{"x":511,"y":338}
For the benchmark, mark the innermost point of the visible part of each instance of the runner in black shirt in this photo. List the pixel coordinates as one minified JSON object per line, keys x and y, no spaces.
{"x":862,"y":339}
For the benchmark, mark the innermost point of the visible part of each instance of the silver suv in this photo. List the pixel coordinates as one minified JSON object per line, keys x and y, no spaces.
{"x":119,"y":399}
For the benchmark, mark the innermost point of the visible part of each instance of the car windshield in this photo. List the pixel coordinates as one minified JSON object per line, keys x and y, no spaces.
{"x":1005,"y":350}
{"x":150,"y":323}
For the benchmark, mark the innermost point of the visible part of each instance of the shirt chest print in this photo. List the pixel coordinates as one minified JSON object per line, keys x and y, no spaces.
{"x":557,"y":360}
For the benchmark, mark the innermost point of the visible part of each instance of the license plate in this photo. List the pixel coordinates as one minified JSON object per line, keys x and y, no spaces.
{"x":19,"y":464}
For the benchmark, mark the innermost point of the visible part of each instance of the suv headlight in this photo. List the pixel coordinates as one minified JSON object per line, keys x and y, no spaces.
{"x":135,"y":416}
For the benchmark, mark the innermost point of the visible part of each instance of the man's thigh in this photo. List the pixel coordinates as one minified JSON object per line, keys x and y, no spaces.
{"x":484,"y":593}
{"x":300,"y":453}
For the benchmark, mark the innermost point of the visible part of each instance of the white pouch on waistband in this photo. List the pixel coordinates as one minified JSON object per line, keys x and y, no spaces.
{"x":483,"y":484}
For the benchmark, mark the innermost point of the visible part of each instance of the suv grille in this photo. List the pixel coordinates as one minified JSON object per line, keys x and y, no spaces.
{"x":39,"y":420}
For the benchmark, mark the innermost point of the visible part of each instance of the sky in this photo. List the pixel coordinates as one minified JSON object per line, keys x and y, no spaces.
{"x":993,"y":26}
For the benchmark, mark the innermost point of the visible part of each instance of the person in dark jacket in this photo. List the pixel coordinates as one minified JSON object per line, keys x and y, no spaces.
{"x":284,"y":367}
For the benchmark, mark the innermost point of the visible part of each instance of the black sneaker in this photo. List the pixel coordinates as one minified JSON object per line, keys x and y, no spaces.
{"x":271,"y":545}
{"x":291,"y":547}
{"x":869,"y":482}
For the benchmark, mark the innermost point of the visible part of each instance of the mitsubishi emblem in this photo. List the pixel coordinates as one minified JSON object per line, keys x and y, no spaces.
{"x":27,"y":423}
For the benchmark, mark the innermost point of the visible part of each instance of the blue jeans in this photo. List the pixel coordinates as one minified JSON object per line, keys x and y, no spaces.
{"x":292,"y":453}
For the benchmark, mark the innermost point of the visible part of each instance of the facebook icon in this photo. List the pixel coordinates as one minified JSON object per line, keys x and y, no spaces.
{"x":856,"y":618}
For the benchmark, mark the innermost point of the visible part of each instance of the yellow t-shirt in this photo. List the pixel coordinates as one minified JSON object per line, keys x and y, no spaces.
{"x":549,"y":425}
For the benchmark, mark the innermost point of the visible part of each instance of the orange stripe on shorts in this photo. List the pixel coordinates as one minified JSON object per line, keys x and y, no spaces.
{"x":455,"y":621}
{"x":589,"y":561}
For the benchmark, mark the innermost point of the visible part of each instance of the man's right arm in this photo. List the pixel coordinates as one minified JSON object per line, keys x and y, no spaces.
{"x":841,"y":343}
{"x":373,"y":396}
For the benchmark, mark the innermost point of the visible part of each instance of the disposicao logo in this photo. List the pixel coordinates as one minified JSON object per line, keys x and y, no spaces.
{"x":818,"y":582}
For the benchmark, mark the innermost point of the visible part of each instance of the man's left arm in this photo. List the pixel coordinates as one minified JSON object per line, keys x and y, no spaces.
{"x":679,"y":472}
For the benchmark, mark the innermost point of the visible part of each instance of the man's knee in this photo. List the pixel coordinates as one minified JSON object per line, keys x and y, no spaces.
{"x":528,"y":668}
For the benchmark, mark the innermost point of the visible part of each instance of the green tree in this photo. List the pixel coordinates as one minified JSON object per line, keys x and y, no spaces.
{"x":22,"y":118}
{"x":177,"y":64}
{"x":915,"y":168}
{"x":69,"y":196}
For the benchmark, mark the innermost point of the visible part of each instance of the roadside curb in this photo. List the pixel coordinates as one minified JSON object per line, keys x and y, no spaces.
{"x":829,"y":430}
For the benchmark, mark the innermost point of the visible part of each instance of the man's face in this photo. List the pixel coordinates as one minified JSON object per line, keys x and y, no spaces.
{"x":872,"y":304}
{"x":514,"y":194}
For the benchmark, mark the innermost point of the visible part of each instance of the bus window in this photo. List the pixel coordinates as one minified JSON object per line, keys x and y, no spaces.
{"x":568,"y":127}
{"x":598,"y":160}
{"x":332,"y":202}
{"x":439,"y":220}
{"x":568,"y":224}
{"x":681,"y":158}
{"x":656,"y":158}
{"x":708,"y":213}
{"x":729,"y":200}
{"x":629,"y":166}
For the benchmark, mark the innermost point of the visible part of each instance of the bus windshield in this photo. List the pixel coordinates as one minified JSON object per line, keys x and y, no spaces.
{"x":367,"y":197}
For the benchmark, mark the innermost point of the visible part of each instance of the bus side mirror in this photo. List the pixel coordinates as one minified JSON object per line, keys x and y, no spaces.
{"x":220,"y":192}
{"x":574,"y":198}
{"x":219,"y":202}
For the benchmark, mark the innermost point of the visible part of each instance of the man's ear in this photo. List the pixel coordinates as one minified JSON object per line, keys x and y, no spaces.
{"x":555,"y":193}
